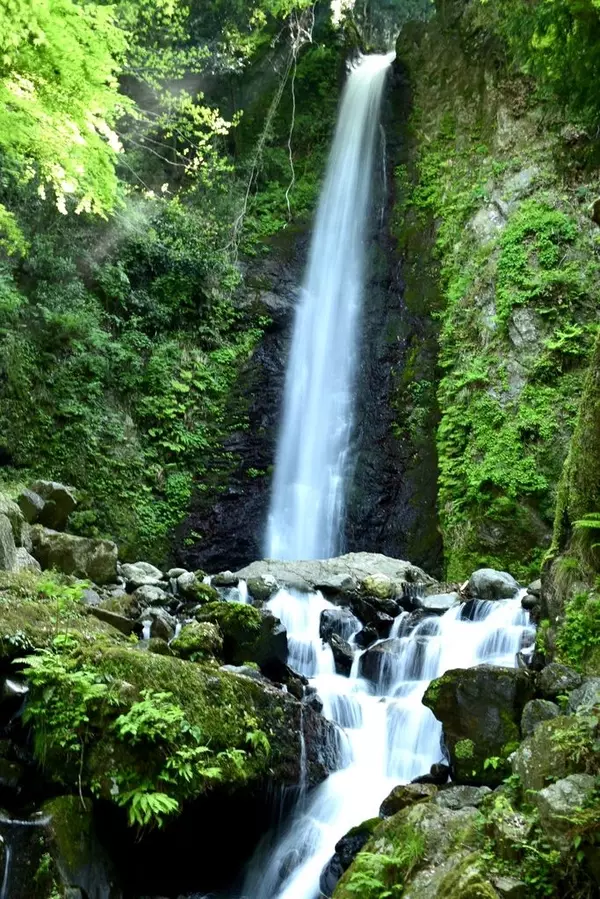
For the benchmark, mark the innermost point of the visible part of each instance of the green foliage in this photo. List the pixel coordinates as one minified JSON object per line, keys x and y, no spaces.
{"x":464,"y":749}
{"x":558,"y":45}
{"x":59,"y":98}
{"x":578,"y":636}
{"x":532,"y":266}
{"x":379,"y":876}
{"x":66,"y":696}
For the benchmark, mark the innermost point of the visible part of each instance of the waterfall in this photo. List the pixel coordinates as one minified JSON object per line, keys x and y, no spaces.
{"x":307,"y":505}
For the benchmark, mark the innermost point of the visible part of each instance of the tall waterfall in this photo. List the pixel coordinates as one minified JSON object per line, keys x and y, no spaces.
{"x":307,"y":505}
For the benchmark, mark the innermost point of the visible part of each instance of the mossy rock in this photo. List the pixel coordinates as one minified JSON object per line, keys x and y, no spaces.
{"x":75,"y":848}
{"x":480,"y":710}
{"x":466,"y":880}
{"x":427,"y":836}
{"x":31,"y":617}
{"x":249,"y":634}
{"x":559,"y":747}
{"x":198,"y":640}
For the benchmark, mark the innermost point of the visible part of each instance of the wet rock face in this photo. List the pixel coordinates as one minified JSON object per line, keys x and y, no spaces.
{"x":232,"y":521}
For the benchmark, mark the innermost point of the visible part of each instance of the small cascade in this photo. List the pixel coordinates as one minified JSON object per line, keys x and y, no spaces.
{"x":390,"y":736}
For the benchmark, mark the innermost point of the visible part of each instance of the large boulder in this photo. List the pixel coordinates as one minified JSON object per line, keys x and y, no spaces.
{"x":339,"y":577}
{"x":480,"y":710}
{"x":59,"y":501}
{"x":140,"y":574}
{"x":558,"y":802}
{"x":249,"y":635}
{"x":557,"y":748}
{"x":338,"y":621}
{"x":556,"y":680}
{"x":80,"y":556}
{"x":487,"y":583}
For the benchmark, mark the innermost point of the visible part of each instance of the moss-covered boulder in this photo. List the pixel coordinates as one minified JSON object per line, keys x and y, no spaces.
{"x":557,"y":748}
{"x":404,"y":795}
{"x":249,"y":634}
{"x":480,"y":710}
{"x":346,"y":851}
{"x":36,"y":609}
{"x":79,"y":556}
{"x":198,"y":640}
{"x":417,"y":848}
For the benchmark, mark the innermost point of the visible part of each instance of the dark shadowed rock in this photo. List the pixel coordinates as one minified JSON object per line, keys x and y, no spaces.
{"x":343,"y":654}
{"x":556,"y":679}
{"x":536,"y":711}
{"x":59,"y":502}
{"x":480,"y":710}
{"x":404,"y":795}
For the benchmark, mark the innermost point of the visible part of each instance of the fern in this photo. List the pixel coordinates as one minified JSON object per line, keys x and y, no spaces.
{"x":145,"y":807}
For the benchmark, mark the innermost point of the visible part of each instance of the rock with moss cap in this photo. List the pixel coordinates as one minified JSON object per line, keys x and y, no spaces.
{"x":346,"y":851}
{"x":480,"y":710}
{"x":433,"y":843}
{"x":557,"y":748}
{"x":80,"y":556}
{"x":198,"y":640}
{"x":249,"y":635}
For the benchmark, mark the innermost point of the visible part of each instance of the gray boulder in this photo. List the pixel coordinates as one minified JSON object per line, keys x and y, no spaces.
{"x":31,"y":505}
{"x":461,"y":797}
{"x":556,"y":679}
{"x":557,"y":803}
{"x":19,"y":526}
{"x":140,"y":574}
{"x":535,"y":588}
{"x":536,"y":711}
{"x":225,"y":579}
{"x":25,"y":561}
{"x":162,"y":625}
{"x":150,"y":595}
{"x":338,"y":575}
{"x":59,"y":502}
{"x":8,"y":549}
{"x":80,"y":556}
{"x":586,"y":697}
{"x":487,"y":583}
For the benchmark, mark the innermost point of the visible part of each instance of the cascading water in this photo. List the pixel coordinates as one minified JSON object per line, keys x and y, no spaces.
{"x":312,"y":457}
{"x":390,"y":736}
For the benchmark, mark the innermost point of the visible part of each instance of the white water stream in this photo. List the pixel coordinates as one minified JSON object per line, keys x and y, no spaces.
{"x":390,"y":737}
{"x":307,"y":505}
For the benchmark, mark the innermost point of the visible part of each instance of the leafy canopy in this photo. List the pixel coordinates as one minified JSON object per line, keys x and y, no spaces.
{"x":59,"y":98}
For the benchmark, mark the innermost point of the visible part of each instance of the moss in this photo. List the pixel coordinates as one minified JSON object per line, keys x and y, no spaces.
{"x":36,"y":609}
{"x":198,"y":640}
{"x":466,"y":880}
{"x":464,"y":749}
